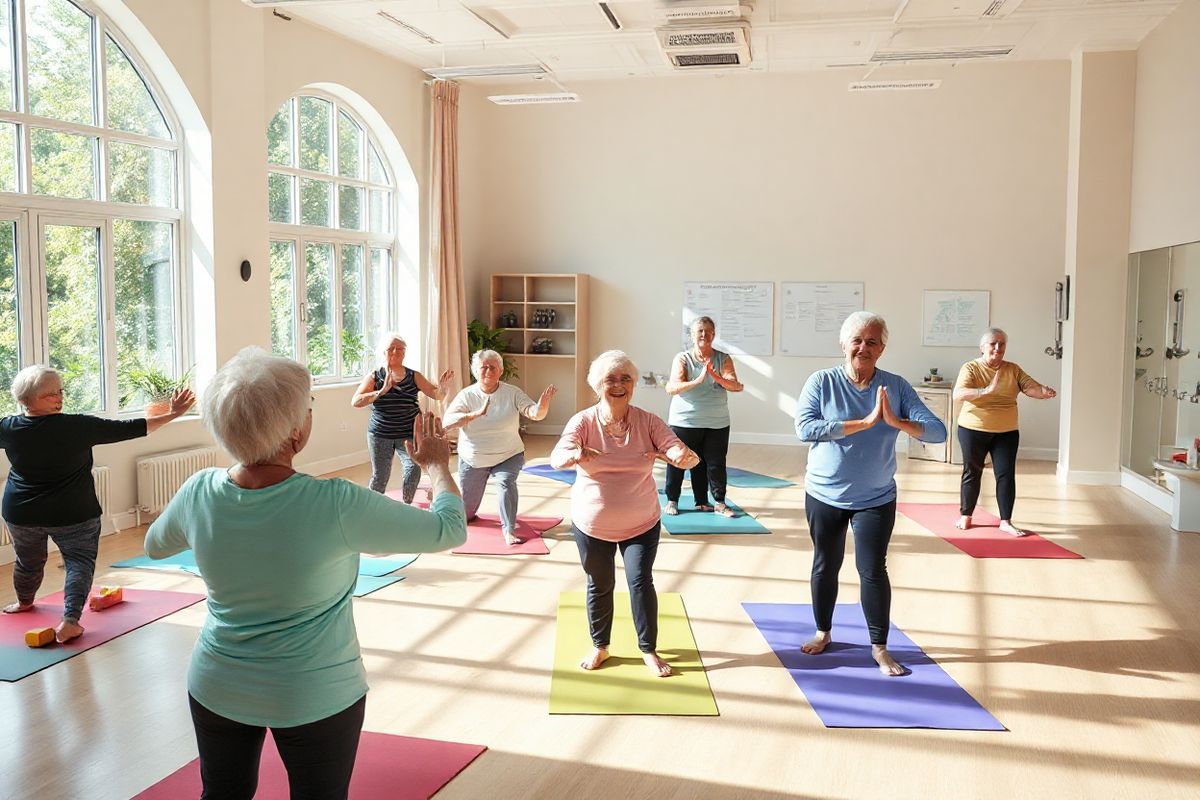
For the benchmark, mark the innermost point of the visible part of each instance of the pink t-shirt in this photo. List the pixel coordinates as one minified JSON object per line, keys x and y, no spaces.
{"x":614,"y":497}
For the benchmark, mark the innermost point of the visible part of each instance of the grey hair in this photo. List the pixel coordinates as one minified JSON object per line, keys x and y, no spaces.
{"x":385,"y":341}
{"x":992,"y":332}
{"x":26,"y":382}
{"x":255,"y":402}
{"x":859,"y":320}
{"x":604,"y":364}
{"x":482,"y":356}
{"x":702,"y":321}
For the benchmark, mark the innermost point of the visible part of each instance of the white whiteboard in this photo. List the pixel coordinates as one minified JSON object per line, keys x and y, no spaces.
{"x":744,"y":313}
{"x":812,"y":315}
{"x":956,"y":319}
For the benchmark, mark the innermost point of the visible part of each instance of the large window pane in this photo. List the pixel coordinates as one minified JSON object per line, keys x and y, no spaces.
{"x":318,"y":297}
{"x":64,"y":164}
{"x":279,"y":137}
{"x":59,"y":43}
{"x":279,"y":197}
{"x":316,"y":119}
{"x":350,"y":202}
{"x":350,"y":142}
{"x":7,"y":102}
{"x":8,"y":157}
{"x":379,"y":293}
{"x":141,"y":174}
{"x":377,"y":173}
{"x":10,"y":355}
{"x":354,"y":345}
{"x":143,"y":256}
{"x":381,"y":211}
{"x":131,"y":107}
{"x":316,"y":202}
{"x":283,"y":299}
{"x":72,"y":258}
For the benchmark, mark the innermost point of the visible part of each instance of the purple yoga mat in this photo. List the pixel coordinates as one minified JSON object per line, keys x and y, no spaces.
{"x":844,"y":685}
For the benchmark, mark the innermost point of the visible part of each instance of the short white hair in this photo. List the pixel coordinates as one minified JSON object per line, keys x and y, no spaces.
{"x":385,"y":341}
{"x":26,"y":383}
{"x":861,"y":320}
{"x":605,"y":363}
{"x":255,"y":402}
{"x":482,"y":356}
{"x":990,"y":333}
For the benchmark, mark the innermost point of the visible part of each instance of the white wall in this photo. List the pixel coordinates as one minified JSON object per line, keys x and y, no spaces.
{"x":1166,"y":156}
{"x":645,"y":184}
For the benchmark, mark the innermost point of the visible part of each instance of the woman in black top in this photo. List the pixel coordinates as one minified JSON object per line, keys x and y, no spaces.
{"x":392,"y":392}
{"x":50,"y":493}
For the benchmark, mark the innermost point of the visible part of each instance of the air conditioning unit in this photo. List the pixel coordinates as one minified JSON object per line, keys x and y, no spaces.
{"x":706,"y":46}
{"x":674,"y":11}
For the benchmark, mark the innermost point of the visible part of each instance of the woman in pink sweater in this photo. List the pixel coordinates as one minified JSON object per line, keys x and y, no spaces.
{"x":614,"y":502}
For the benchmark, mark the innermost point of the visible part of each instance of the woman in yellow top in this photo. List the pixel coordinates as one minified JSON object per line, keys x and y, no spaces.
{"x":987,"y":424}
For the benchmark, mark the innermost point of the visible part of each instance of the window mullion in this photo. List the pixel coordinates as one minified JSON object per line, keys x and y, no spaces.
{"x":300,"y":302}
{"x":335,"y":294}
{"x":108,"y":282}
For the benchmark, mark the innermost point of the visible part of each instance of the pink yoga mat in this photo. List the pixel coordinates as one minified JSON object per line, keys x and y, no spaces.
{"x":141,"y":606}
{"x":391,"y":767}
{"x":484,"y":536}
{"x":983,"y":539}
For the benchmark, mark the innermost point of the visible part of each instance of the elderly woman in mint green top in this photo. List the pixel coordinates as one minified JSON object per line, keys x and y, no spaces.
{"x":701,"y":380}
{"x":279,"y":552}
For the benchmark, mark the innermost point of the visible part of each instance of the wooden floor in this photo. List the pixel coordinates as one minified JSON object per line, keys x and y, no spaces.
{"x":1091,"y":665}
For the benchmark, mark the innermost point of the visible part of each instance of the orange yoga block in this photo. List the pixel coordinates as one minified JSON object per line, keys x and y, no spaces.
{"x":105,"y":597}
{"x":39,"y":637}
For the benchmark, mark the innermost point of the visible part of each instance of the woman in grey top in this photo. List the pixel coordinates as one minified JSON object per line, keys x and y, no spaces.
{"x":701,"y":379}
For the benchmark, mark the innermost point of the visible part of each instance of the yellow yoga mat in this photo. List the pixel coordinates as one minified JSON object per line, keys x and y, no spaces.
{"x":624,"y":685}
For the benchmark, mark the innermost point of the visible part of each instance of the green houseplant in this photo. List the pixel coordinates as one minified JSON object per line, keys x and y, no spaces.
{"x":482,"y":337}
{"x":149,"y":383}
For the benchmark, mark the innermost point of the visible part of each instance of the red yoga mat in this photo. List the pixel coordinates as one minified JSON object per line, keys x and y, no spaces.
{"x":141,"y":606}
{"x":984,"y":539}
{"x":391,"y":767}
{"x":485,"y":537}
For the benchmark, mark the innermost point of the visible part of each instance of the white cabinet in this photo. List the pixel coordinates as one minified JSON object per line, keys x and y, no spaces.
{"x":940,"y":401}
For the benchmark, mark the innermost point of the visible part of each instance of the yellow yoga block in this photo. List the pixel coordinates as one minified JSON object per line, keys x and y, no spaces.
{"x":39,"y":637}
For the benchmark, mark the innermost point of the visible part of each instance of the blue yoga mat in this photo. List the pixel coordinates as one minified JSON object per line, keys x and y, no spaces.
{"x":844,"y":685}
{"x":547,"y":471}
{"x":691,"y":522}
{"x":373,"y":583}
{"x":741,"y":478}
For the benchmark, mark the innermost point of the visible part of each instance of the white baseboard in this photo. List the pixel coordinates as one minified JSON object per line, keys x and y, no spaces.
{"x":1037,"y":453}
{"x":334,"y":464}
{"x":1147,"y":490}
{"x":1080,"y":477}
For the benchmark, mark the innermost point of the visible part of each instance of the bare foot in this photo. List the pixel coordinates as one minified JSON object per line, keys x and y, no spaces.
{"x":817,"y":644}
{"x":887,"y":665}
{"x":67,"y":630}
{"x":704,"y":507}
{"x":510,"y":538}
{"x":598,"y":657}
{"x":1010,"y":529}
{"x":724,"y":510}
{"x":672,"y":508}
{"x":659,"y":667}
{"x":17,"y":608}
{"x":964,"y":522}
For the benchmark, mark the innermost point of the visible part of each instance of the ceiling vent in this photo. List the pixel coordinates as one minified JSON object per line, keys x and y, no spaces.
{"x":673,"y":11}
{"x":893,"y":86}
{"x":956,"y":54}
{"x":485,"y":71}
{"x":533,"y":99}
{"x":1000,"y":8}
{"x":706,"y":46}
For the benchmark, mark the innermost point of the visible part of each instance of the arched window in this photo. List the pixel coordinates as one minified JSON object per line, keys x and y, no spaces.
{"x":331,"y":205}
{"x":90,"y":212}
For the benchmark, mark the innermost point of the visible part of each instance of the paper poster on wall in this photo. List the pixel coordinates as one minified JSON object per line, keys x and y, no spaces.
{"x":744,"y":313}
{"x":811,"y":316}
{"x":956,"y":319}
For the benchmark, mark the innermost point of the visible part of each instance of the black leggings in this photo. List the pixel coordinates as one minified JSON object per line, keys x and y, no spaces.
{"x":872,"y":530}
{"x":319,"y":756}
{"x":712,"y":445}
{"x":976,"y":445}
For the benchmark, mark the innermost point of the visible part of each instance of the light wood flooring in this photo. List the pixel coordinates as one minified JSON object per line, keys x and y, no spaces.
{"x":1092,"y":665}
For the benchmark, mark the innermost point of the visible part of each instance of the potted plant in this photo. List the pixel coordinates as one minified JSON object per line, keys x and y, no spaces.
{"x":149,"y":382}
{"x":482,"y":337}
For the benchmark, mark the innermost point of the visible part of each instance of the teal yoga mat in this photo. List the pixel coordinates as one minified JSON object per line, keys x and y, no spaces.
{"x":693,"y":522}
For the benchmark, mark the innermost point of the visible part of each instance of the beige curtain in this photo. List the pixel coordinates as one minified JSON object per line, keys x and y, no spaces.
{"x":446,"y":332}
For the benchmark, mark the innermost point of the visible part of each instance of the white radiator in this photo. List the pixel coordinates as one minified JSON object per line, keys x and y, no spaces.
{"x":100,"y":478}
{"x":160,"y":475}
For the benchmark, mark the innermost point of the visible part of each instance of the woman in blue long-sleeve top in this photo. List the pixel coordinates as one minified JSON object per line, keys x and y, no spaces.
{"x":851,"y":414}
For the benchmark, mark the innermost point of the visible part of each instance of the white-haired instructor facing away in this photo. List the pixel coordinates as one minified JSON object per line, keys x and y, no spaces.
{"x":614,"y":502}
{"x":488,"y":413}
{"x":279,"y":553}
{"x":50,"y":494}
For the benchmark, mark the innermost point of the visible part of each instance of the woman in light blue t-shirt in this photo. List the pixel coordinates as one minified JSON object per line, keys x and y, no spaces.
{"x":279,"y":553}
{"x":701,"y":380}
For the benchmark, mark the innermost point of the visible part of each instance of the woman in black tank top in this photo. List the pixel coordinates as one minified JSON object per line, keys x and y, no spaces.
{"x":393,"y":392}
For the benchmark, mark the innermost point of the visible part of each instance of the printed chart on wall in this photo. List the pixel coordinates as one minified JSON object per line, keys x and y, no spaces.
{"x":812,"y":316}
{"x":744,"y":313}
{"x":956,"y":319}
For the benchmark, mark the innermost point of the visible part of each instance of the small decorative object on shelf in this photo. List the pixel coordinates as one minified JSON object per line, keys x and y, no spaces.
{"x":507,"y":320}
{"x":933,"y":376}
{"x":543,"y":318}
{"x":541,"y":346}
